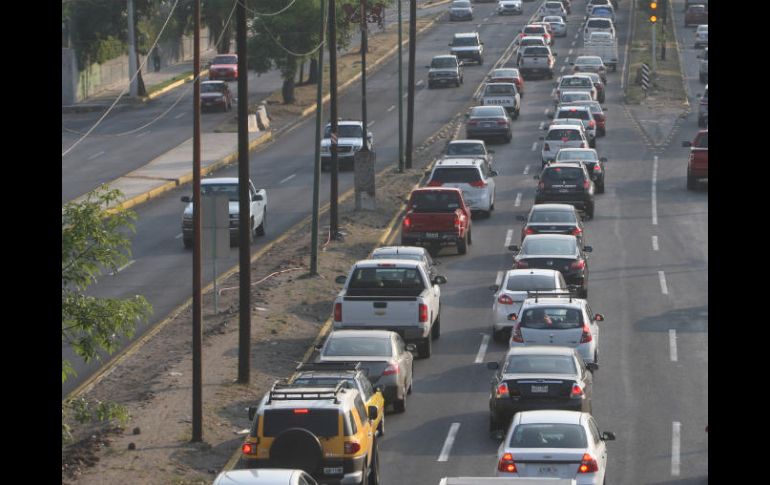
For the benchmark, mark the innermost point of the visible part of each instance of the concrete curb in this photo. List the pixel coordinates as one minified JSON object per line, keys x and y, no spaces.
{"x":681,"y":61}
{"x":174,"y":85}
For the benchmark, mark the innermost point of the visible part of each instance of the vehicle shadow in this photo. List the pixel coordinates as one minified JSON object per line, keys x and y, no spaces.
{"x":691,"y":320}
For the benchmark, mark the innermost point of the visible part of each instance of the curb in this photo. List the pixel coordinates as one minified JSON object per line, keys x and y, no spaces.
{"x":435,"y":4}
{"x":188,"y":78}
{"x":681,"y":61}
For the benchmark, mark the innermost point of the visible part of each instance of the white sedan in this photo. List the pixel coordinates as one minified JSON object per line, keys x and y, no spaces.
{"x":702,"y":36}
{"x":554,"y":444}
{"x":558,"y":25}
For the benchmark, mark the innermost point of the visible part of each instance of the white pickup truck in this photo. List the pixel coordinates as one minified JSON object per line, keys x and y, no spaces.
{"x":502,"y":94}
{"x":604,"y":45}
{"x":391,"y":294}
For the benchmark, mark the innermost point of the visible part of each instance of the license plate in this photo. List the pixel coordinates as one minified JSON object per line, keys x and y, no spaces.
{"x":547,"y":471}
{"x":337,"y":470}
{"x":486,"y":124}
{"x":431,"y":235}
{"x":562,"y":191}
{"x":540,"y":389}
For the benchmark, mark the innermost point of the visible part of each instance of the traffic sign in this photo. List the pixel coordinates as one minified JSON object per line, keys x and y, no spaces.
{"x":645,"y":77}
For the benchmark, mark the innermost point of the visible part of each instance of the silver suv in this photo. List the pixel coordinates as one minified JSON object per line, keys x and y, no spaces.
{"x":445,"y":70}
{"x":474,"y":176}
{"x":468,"y":46}
{"x":537,"y":60}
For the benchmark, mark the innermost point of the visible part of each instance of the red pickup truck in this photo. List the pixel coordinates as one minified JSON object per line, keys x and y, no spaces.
{"x":698,"y":164}
{"x":437,"y":217}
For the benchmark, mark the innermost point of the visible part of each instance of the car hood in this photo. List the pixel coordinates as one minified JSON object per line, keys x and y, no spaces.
{"x":232,"y":208}
{"x":342,"y":141}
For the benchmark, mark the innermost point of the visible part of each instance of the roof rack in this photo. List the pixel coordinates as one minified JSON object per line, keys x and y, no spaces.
{"x":282,"y":391}
{"x":329,"y":366}
{"x":546,"y":294}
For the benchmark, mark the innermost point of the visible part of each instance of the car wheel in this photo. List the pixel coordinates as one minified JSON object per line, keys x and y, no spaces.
{"x":261,"y":227}
{"x":481,"y":61}
{"x":600,"y":188}
{"x":462,"y":245}
{"x":516,"y":113}
{"x":691,"y":182}
{"x":426,"y":347}
{"x":470,"y":237}
{"x":365,"y":475}
{"x":596,"y":356}
{"x":435,"y":332}
{"x":508,"y":138}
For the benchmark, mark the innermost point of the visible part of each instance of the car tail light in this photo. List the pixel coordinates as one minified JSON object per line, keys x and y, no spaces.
{"x":504,"y":300}
{"x":502,"y":390}
{"x":435,"y":183}
{"x":472,"y":122}
{"x":546,"y":147}
{"x":576,"y":392}
{"x":407,"y":222}
{"x":588,"y":464}
{"x":502,"y":122}
{"x":391,"y":369}
{"x":582,"y":145}
{"x":506,"y":464}
{"x":338,"y":312}
{"x":423,"y":312}
{"x":586,"y":184}
{"x":592,"y":124}
{"x":586,"y":336}
{"x":577,"y":231}
{"x":478,"y":184}
{"x":529,"y":230}
{"x":516,"y":334}
{"x":249,"y":449}
{"x":521,"y":264}
{"x":579,"y":264}
{"x":351,"y":447}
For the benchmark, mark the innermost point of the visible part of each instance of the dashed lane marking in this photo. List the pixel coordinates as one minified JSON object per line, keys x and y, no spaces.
{"x":96,"y":155}
{"x":508,"y":237}
{"x":450,"y":439}
{"x":676,"y":434}
{"x":672,"y":344}
{"x":663,"y":285}
{"x":654,"y":243}
{"x":526,"y":169}
{"x":482,"y":349}
{"x":499,"y":278}
{"x":179,"y":116}
{"x":178,"y":236}
{"x":517,"y":202}
{"x":288,"y":178}
{"x":123,"y":267}
{"x":534,"y":146}
{"x":391,"y":108}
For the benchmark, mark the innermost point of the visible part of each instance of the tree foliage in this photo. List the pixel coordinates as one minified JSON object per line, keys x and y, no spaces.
{"x":215,"y":15}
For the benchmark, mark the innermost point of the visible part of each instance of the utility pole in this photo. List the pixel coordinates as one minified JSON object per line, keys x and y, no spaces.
{"x":317,"y":160}
{"x":410,"y":99}
{"x":333,"y":216}
{"x":197,"y":371}
{"x":244,"y":203}
{"x":132,"y":64}
{"x":364,"y":47}
{"x":400,"y":96}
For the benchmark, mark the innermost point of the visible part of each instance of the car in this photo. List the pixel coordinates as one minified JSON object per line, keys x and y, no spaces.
{"x":549,"y":443}
{"x":514,"y":289}
{"x":553,"y":8}
{"x":216,"y":94}
{"x":329,"y":374}
{"x":538,"y":377}
{"x":468,"y":149}
{"x":555,"y":251}
{"x":224,"y":67}
{"x":509,"y":7}
{"x":508,"y":75}
{"x":474,"y":176}
{"x":536,"y":29}
{"x":552,"y":219}
{"x":488,"y":122}
{"x":602,"y":11}
{"x":349,"y":141}
{"x":702,"y":36}
{"x":593,"y":162}
{"x":460,"y":10}
{"x":436,"y":217}
{"x":576,"y":82}
{"x":703,"y":108}
{"x":698,"y":161}
{"x":566,"y":183}
{"x":599,"y":85}
{"x":598,"y":113}
{"x":529,"y":40}
{"x":561,"y":136}
{"x":265,"y":476}
{"x":558,"y":25}
{"x":590,"y":64}
{"x":703,"y":68}
{"x":598,"y":24}
{"x":576,"y":122}
{"x":388,"y":360}
{"x":467,"y":46}
{"x":696,"y":14}
{"x":502,"y":94}
{"x":228,"y":186}
{"x":534,"y":60}
{"x":445,"y":70}
{"x":326,"y":432}
{"x":592,"y":3}
{"x":412,"y":253}
{"x":582,"y":113}
{"x":571,"y":97}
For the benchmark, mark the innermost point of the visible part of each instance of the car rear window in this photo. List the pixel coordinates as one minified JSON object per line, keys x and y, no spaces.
{"x":465,"y":41}
{"x":552,"y":216}
{"x":563,"y":135}
{"x":552,"y":4}
{"x":540,"y":364}
{"x":550,"y":435}
{"x":435,"y":201}
{"x":582,"y":114}
{"x":599,"y":24}
{"x":552,"y":318}
{"x":535,"y":51}
{"x":589,"y":61}
{"x":320,"y":422}
{"x":535,"y":29}
{"x":443,"y":62}
{"x":575,"y":82}
{"x":561,"y":246}
{"x":488,"y":112}
{"x":386,"y":278}
{"x":576,"y":96}
{"x":456,"y":175}
{"x":492,"y":89}
{"x":358,"y":347}
{"x":532,"y":41}
{"x":557,"y":174}
{"x":586,"y":155}
{"x":225,"y":60}
{"x":530,"y":282}
{"x":213,"y":87}
{"x":465,"y":149}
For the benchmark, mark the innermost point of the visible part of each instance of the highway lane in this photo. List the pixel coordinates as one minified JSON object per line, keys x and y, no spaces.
{"x":162,"y":272}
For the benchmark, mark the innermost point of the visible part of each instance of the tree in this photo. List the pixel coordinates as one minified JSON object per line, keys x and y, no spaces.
{"x":215,"y":15}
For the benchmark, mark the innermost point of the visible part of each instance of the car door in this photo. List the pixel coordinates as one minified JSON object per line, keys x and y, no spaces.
{"x":404,"y":359}
{"x":598,"y":445}
{"x":592,"y":324}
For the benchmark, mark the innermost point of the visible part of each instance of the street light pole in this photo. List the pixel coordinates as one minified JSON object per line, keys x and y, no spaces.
{"x":317,"y":160}
{"x":197,"y":341}
{"x":364,"y":47}
{"x":333,"y":215}
{"x":410,"y":104}
{"x":400,"y":100}
{"x":132,"y":64}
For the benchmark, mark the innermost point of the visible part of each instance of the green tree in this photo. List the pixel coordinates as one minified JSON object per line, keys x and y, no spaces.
{"x":215,"y":14}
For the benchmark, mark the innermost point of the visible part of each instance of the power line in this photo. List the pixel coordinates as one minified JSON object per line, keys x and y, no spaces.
{"x":259,"y":14}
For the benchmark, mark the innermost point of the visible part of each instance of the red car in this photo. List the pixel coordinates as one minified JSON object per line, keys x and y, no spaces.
{"x":698,"y":163}
{"x":537,"y":29}
{"x":216,"y":95}
{"x":224,"y":67}
{"x":696,"y":15}
{"x":508,"y":75}
{"x":435,"y":217}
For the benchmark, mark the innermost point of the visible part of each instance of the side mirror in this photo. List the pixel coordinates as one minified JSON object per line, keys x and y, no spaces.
{"x":513,"y":248}
{"x":186,"y":198}
{"x":493,"y":173}
{"x":608,"y":436}
{"x":494,"y":288}
{"x":252,"y":412}
{"x":512,"y":316}
{"x":411,"y":348}
{"x":603,"y":159}
{"x":340,"y":279}
{"x":684,"y":144}
{"x":493,"y":365}
{"x":592,"y":366}
{"x":439,"y":280}
{"x":588,"y":249}
{"x":599,"y":317}
{"x":373,"y":412}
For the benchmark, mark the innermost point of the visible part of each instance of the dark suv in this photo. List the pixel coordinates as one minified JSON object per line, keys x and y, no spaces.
{"x":556,"y":251}
{"x":566,"y":183}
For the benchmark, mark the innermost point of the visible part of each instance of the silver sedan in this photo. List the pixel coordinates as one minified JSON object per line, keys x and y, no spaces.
{"x":558,"y":25}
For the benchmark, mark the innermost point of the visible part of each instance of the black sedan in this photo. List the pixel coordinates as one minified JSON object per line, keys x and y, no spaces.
{"x":566,"y":183}
{"x":552,"y":219}
{"x":559,"y":252}
{"x":538,"y":377}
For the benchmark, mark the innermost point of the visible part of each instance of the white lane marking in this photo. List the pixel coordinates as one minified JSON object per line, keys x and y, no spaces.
{"x":663,"y":286}
{"x":405,"y":95}
{"x":655,"y":243}
{"x":288,"y":178}
{"x":123,"y":267}
{"x":179,"y":116}
{"x":508,"y":237}
{"x":526,"y":170}
{"x":655,"y":191}
{"x":144,"y":133}
{"x":391,"y":108}
{"x":96,"y":155}
{"x":178,"y":236}
{"x":569,"y":53}
{"x":672,"y":344}
{"x":486,"y":19}
{"x":545,"y":111}
{"x":534,"y":146}
{"x":562,"y":68}
{"x":499,"y":278}
{"x":482,"y":349}
{"x":450,"y":439}
{"x":540,"y":127}
{"x":574,"y":42}
{"x":517,"y":202}
{"x":370,"y":123}
{"x":420,"y":82}
{"x":478,"y":26}
{"x":676,"y":434}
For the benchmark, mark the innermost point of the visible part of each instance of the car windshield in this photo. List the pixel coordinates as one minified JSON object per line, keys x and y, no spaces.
{"x":567,"y":174}
{"x":552,"y":318}
{"x":589,"y":61}
{"x":225,"y":60}
{"x":454,"y":175}
{"x":465,"y":149}
{"x":465,"y":41}
{"x":546,"y":246}
{"x":535,"y":52}
{"x":443,"y":62}
{"x":587,"y":155}
{"x":212,"y":88}
{"x":575,"y":82}
{"x":534,"y":29}
{"x":550,"y":435}
{"x":411,"y":257}
{"x":461,"y":4}
{"x":563,"y":134}
{"x":599,"y":24}
{"x":320,"y":422}
{"x":530,"y":282}
{"x":488,"y":112}
{"x":499,"y":89}
{"x":540,"y":364}
{"x":702,"y":140}
{"x":553,"y":216}
{"x":435,"y":201}
{"x":385,"y":277}
{"x":230,"y":190}
{"x":582,"y":114}
{"x":358,"y":347}
{"x":601,"y":11}
{"x":344,"y":131}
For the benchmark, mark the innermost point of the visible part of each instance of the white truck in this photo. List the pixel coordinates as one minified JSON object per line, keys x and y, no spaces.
{"x":502,"y":94}
{"x":506,"y":481}
{"x":228,"y":186}
{"x":604,"y":45}
{"x":391,"y":294}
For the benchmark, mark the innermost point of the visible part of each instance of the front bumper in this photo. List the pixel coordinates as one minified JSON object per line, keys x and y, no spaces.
{"x":352,"y":469}
{"x":503,"y":409}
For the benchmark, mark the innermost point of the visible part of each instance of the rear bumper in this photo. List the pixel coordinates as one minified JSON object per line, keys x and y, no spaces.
{"x":410,"y":333}
{"x":504,"y":409}
{"x":487,"y":132}
{"x":422,"y":238}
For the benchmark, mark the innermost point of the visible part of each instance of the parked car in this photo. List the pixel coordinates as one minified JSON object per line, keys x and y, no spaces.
{"x":566,"y":183}
{"x":224,"y":67}
{"x":216,"y":94}
{"x":696,"y":15}
{"x":445,"y":70}
{"x":488,"y":122}
{"x":698,"y":161}
{"x":436,"y":217}
{"x":474,"y":176}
